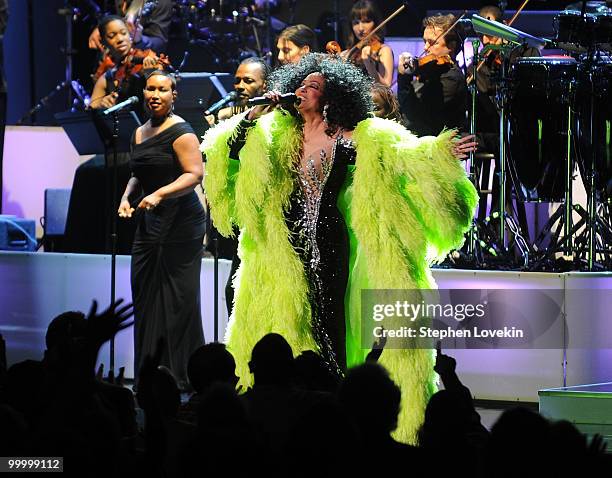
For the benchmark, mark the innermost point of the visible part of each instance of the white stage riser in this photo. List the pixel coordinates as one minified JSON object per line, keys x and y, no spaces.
{"x":37,"y":287}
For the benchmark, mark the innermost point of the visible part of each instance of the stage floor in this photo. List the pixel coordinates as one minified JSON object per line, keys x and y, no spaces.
{"x":38,"y":286}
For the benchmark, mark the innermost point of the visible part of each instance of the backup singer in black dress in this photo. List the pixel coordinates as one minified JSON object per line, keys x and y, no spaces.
{"x":166,"y":256}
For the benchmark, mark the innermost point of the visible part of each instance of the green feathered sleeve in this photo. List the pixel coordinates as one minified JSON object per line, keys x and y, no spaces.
{"x":427,"y":200}
{"x":437,"y":188}
{"x":221,"y":174}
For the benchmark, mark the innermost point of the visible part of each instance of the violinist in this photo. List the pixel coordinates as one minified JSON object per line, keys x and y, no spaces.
{"x":374,"y":57}
{"x":148,"y":22}
{"x":385,"y":103}
{"x":487,"y":115}
{"x":121,"y":74}
{"x":431,"y":90}
{"x":294,"y":42}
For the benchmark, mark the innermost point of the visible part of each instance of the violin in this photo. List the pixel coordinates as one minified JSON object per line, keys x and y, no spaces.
{"x":131,"y":68}
{"x":371,"y":39}
{"x":430,"y":65}
{"x":431,"y":60}
{"x":497,"y":60}
{"x":354,"y":53}
{"x":132,"y":65}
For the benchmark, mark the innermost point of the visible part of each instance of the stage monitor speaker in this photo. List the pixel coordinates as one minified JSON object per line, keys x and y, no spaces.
{"x":196,"y":92}
{"x":56,"y":211}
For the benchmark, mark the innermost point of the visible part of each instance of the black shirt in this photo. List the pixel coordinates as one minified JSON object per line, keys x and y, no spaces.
{"x":433,"y":101}
{"x":158,"y":23}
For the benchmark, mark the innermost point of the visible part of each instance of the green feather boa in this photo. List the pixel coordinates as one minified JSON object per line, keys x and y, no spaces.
{"x":407,"y":202}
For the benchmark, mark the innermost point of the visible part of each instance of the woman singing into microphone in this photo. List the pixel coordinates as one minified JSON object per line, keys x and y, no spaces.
{"x":331,"y":201}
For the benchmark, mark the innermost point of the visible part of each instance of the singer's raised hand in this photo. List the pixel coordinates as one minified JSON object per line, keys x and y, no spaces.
{"x":260,"y":110}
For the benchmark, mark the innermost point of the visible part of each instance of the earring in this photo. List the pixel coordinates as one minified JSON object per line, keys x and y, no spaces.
{"x":325,"y":108}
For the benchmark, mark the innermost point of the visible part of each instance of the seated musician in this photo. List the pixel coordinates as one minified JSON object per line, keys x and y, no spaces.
{"x":148,"y":22}
{"x":294,"y":42}
{"x":385,"y":103}
{"x":487,"y":114}
{"x":375,"y":57}
{"x":432,"y":94}
{"x":121,"y":75}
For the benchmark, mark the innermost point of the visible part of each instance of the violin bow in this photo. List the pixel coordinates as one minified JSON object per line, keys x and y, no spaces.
{"x":361,"y":42}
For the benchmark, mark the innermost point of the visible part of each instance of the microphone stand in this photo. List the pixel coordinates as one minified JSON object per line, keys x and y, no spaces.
{"x":113,"y":235}
{"x":473,"y":232}
{"x":215,"y":283}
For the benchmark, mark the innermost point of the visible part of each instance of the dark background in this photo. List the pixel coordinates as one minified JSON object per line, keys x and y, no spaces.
{"x":36,"y":39}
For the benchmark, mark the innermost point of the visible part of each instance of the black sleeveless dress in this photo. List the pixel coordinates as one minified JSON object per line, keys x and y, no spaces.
{"x":166,"y":258}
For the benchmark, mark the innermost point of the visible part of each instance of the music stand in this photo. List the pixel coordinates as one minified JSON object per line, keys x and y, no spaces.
{"x":195,"y":92}
{"x":512,"y":35}
{"x":91,"y":132}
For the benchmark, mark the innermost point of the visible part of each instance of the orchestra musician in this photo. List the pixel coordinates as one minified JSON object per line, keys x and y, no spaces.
{"x":122,"y":72}
{"x":375,"y":58}
{"x":294,"y":42}
{"x":148,"y":23}
{"x":431,"y":90}
{"x":385,"y":103}
{"x":487,"y":115}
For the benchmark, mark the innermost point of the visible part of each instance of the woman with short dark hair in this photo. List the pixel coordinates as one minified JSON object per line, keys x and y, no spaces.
{"x":167,"y":251}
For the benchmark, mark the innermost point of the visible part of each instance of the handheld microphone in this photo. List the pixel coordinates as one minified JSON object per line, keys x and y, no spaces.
{"x":132,"y":100}
{"x":231,"y":96}
{"x":286,"y":98}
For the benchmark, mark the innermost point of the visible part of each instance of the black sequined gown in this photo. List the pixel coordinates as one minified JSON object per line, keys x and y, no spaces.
{"x":319,"y":235}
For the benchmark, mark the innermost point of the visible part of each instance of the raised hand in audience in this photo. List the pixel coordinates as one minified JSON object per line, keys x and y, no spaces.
{"x":102,"y":327}
{"x":377,"y":349}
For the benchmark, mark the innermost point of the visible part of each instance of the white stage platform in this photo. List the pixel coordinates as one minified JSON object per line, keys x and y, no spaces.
{"x":35,"y":287}
{"x":38,"y":286}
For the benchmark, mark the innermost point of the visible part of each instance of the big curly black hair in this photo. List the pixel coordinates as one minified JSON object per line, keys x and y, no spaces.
{"x":346,"y":92}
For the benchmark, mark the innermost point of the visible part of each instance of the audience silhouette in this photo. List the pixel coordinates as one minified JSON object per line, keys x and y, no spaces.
{"x":297,"y":419}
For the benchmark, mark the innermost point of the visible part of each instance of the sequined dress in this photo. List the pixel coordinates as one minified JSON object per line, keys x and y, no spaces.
{"x":319,"y":236}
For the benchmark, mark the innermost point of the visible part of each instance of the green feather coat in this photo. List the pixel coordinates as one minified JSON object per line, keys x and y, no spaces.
{"x":407,"y":202}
